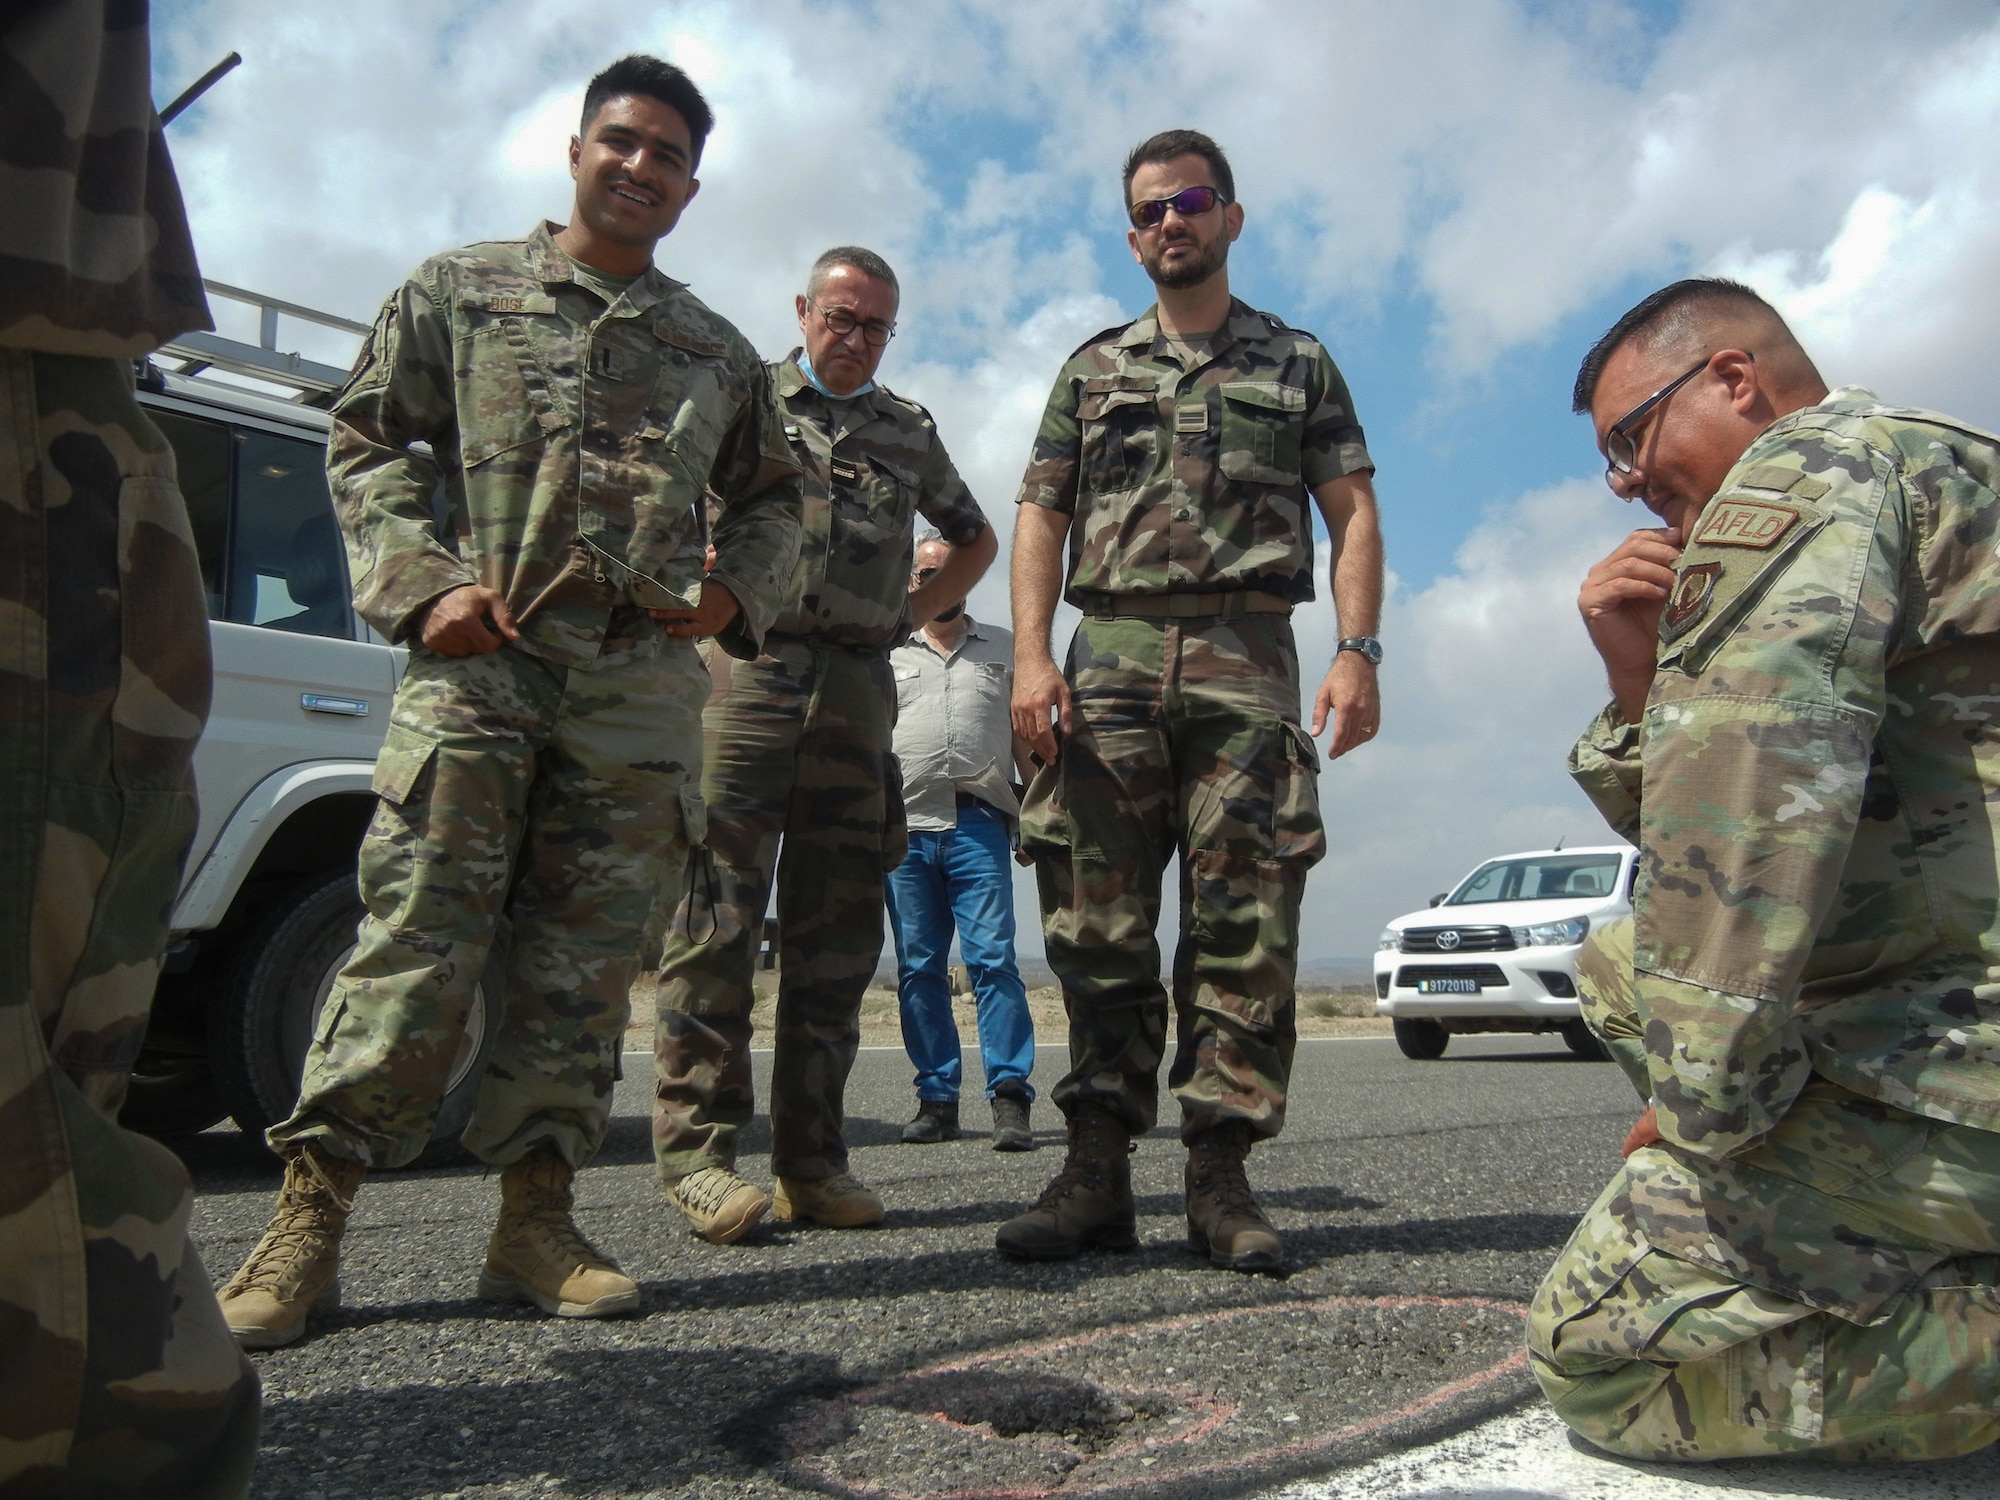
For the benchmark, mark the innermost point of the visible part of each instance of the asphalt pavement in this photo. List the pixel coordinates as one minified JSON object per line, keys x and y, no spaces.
{"x":1420,"y":1204}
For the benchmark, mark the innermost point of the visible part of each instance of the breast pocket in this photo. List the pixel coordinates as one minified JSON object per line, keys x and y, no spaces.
{"x":507,"y":369}
{"x":1263,"y":427}
{"x":1118,"y":428}
{"x":909,"y":686}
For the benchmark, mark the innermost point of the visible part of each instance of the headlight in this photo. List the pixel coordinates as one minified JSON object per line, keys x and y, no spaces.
{"x":1390,"y":938}
{"x":1552,"y":934}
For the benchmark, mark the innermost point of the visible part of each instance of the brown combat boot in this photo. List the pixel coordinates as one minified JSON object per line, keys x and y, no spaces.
{"x":295,"y":1269}
{"x":1224,"y":1222}
{"x":538,"y":1255}
{"x":1089,"y":1202}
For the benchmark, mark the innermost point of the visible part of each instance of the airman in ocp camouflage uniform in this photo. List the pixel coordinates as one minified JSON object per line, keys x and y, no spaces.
{"x":1802,"y":1252}
{"x":117,"y":1375}
{"x":797,"y":748}
{"x":1180,"y":456}
{"x":543,"y":756}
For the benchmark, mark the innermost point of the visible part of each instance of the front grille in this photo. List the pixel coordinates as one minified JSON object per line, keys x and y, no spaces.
{"x":1470,"y":940}
{"x":1490,"y":976}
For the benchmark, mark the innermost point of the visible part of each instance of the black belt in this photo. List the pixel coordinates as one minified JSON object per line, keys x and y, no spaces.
{"x":1216,"y":605}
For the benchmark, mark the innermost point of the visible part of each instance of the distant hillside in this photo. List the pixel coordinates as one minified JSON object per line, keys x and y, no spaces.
{"x":1316,"y":974}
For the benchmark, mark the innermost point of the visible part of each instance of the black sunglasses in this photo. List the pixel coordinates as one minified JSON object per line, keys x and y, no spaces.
{"x":1148,"y":212}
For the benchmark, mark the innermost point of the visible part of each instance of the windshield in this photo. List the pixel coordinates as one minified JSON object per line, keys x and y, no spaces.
{"x":1539,"y":877}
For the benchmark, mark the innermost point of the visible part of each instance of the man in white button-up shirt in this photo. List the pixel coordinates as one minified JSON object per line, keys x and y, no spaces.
{"x":955,"y":740}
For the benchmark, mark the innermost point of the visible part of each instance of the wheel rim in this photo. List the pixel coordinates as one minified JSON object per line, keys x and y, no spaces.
{"x":298,"y":1036}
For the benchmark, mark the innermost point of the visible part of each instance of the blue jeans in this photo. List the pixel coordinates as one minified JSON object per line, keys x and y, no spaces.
{"x":960,"y":875}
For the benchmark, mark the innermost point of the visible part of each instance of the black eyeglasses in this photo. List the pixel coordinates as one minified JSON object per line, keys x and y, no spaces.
{"x":1620,"y":448}
{"x":924,"y":575}
{"x":840,"y":323}
{"x":1148,"y":212}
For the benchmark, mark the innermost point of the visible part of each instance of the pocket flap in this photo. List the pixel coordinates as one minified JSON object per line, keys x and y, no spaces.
{"x":666,"y":333}
{"x":1097,"y":402}
{"x":404,"y":756}
{"x":1268,"y":394}
{"x":694,"y":815}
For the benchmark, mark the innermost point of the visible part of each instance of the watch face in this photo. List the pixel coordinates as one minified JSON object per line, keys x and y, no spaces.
{"x":1368,"y":646}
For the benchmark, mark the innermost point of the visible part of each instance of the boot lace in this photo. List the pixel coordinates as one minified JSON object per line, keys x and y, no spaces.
{"x":706,"y":1190}
{"x":309,"y":1214}
{"x":1092,"y":1146}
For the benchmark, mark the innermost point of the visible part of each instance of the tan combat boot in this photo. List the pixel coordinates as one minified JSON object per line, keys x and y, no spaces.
{"x":718,"y":1205}
{"x":1224,"y":1222}
{"x":538,"y":1255}
{"x":839,"y":1202}
{"x":1089,"y":1202}
{"x":295,"y":1269}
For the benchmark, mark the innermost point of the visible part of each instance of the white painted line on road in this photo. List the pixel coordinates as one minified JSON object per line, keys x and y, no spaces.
{"x":1529,"y":1456}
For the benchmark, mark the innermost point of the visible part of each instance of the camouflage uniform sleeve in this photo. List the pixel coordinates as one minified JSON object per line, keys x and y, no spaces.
{"x":757,"y":484}
{"x":1333,"y":443}
{"x":1756,"y":749}
{"x":1605,"y":763}
{"x":400,"y":394}
{"x":1057,"y":457}
{"x":945,"y":501}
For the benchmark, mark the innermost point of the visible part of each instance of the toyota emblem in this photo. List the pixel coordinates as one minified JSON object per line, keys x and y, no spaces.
{"x":1448,"y":939}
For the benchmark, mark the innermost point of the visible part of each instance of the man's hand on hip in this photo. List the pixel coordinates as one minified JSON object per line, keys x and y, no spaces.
{"x":471,"y":620}
{"x":1621,"y":602}
{"x":1351,"y":697}
{"x":712,"y":616}
{"x":1038,"y":689}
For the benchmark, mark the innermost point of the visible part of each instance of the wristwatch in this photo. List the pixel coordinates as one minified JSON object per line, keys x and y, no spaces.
{"x":1367,"y":645}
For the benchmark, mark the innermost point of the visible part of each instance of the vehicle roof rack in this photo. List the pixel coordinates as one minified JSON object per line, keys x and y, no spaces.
{"x":311,"y":381}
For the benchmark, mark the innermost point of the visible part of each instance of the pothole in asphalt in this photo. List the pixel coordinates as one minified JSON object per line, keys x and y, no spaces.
{"x":1232,"y":1396}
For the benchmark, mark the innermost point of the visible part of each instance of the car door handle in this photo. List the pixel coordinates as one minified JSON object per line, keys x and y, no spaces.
{"x":320,"y":703}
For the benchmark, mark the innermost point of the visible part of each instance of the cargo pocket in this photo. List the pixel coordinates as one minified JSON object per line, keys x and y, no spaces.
{"x":1245,"y":922}
{"x":895,"y":817}
{"x":1298,"y":835}
{"x":405,"y":755}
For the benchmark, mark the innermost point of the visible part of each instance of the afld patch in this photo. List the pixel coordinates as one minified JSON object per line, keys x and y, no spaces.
{"x":1744,"y":523}
{"x":1690,"y":599}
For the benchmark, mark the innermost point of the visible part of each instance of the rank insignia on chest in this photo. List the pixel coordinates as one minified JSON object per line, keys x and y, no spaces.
{"x":1690,"y":599}
{"x":1191,"y":419}
{"x":1744,"y":523}
{"x":846,"y":471}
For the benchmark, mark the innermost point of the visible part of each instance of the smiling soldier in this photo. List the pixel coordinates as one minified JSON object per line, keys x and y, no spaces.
{"x":544,"y":752}
{"x":1181,"y":456}
{"x":1802,"y":1251}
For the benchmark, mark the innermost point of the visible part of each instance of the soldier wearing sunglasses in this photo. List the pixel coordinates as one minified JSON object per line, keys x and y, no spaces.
{"x":1180,"y":458}
{"x":1801,"y":1253}
{"x":797,"y":748}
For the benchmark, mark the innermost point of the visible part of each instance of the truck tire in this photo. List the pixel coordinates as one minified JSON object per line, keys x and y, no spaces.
{"x":1581,"y":1040}
{"x":1422,"y":1040}
{"x":273,"y":992}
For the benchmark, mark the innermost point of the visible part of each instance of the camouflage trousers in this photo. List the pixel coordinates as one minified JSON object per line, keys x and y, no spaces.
{"x":796,"y":747}
{"x":565,"y":799}
{"x":117,"y":1376}
{"x":1834,"y":1290}
{"x":1186,"y":739}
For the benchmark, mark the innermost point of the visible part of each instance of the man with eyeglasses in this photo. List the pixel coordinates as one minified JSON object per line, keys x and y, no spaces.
{"x":1801,"y":1253}
{"x":1180,"y":457}
{"x":797,"y":752}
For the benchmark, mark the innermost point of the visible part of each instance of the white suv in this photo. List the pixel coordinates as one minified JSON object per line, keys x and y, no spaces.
{"x":1499,"y":952}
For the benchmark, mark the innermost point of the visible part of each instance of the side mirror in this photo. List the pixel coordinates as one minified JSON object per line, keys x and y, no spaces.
{"x":1438,"y":899}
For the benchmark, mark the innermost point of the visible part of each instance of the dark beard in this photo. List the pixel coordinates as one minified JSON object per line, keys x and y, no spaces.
{"x":951,"y":614}
{"x":1189,"y":273}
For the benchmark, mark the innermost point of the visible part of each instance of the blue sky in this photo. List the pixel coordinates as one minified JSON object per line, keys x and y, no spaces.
{"x":1456,"y":195}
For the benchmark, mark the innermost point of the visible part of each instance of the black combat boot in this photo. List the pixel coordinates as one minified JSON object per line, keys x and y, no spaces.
{"x":1010,"y":1118}
{"x":937,"y":1120}
{"x":1089,"y":1204}
{"x":1224,"y":1222}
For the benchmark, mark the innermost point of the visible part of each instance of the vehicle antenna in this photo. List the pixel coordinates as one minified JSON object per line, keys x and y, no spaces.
{"x":1559,"y":843}
{"x":199,"y":87}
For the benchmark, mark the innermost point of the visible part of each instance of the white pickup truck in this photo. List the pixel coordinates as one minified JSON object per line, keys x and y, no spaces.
{"x":268,"y":903}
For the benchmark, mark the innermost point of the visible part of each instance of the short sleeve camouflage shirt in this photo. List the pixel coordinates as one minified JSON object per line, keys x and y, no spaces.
{"x":1815,"y":787}
{"x":1188,"y":468}
{"x":872,"y":465}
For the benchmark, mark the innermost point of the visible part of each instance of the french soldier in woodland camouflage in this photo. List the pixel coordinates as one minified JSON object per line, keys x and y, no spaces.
{"x":117,"y":1374}
{"x":1802,"y":1251}
{"x":543,"y":757}
{"x":1180,"y":457}
{"x":797,"y":747}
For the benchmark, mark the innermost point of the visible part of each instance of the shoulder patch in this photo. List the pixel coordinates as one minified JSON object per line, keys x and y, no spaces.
{"x":1734,"y":521}
{"x":1693,"y":592}
{"x":1785,"y":480}
{"x":1101,"y":336}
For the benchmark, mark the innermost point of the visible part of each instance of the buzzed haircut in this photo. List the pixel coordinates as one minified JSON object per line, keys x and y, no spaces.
{"x":1169,"y":144}
{"x":1680,"y":318}
{"x":867,"y":262}
{"x":651,"y":78}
